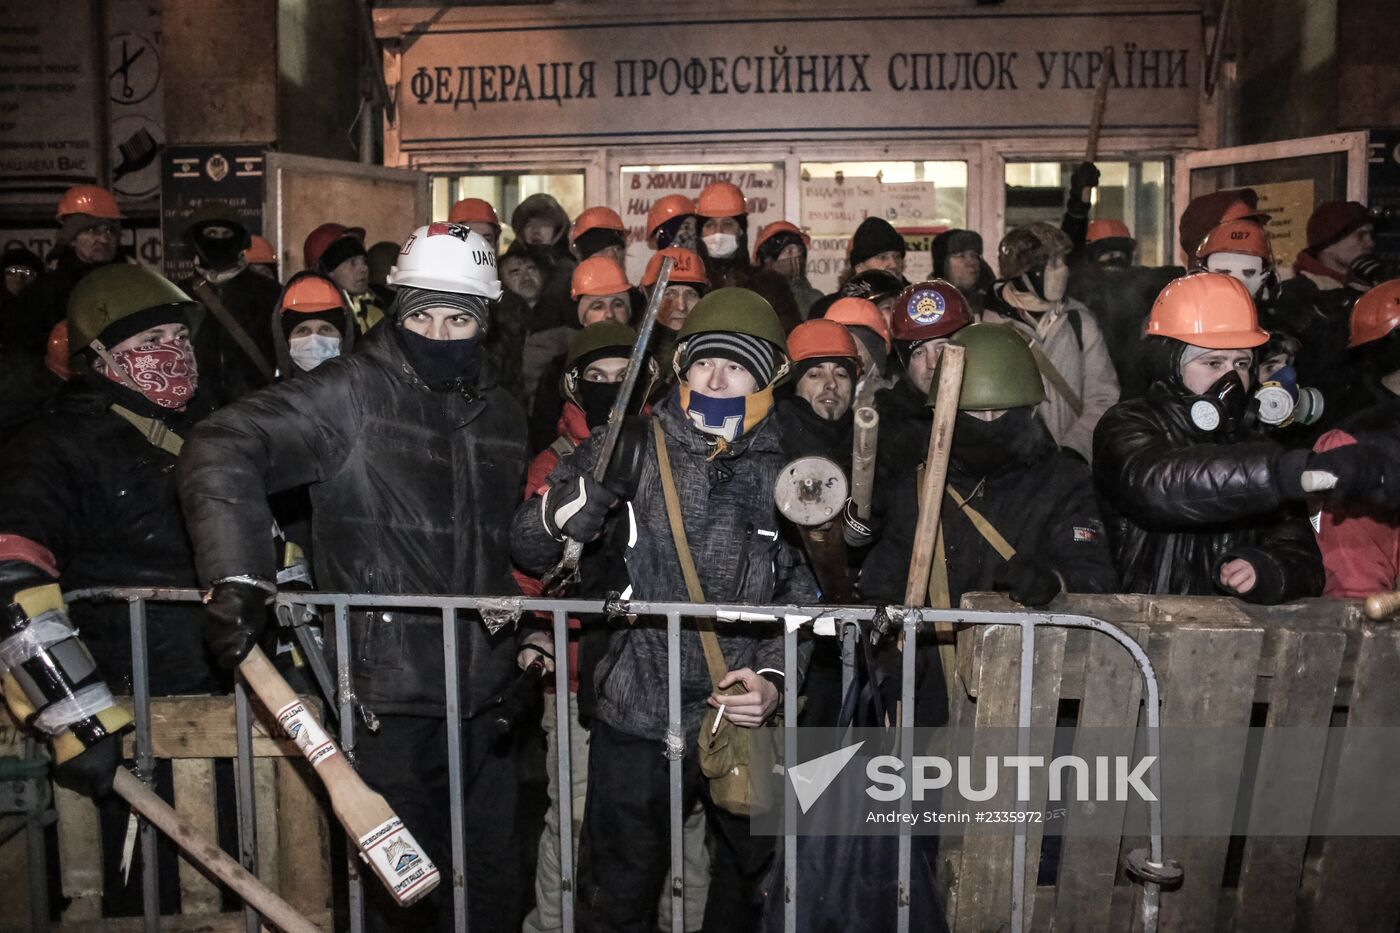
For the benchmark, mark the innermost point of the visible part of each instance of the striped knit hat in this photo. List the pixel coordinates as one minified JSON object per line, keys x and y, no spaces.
{"x":752,"y":353}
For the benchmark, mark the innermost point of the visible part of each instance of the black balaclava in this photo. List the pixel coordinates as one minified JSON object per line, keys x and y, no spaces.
{"x":988,"y":448}
{"x":596,"y":400}
{"x":441,"y":364}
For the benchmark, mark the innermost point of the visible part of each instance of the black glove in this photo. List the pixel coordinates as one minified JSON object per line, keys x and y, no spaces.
{"x":235,"y":615}
{"x":1365,"y":273}
{"x":858,"y":532}
{"x":1085,"y":177}
{"x":576,"y":508}
{"x":1364,"y":474}
{"x":1028,"y":581}
{"x":91,"y":772}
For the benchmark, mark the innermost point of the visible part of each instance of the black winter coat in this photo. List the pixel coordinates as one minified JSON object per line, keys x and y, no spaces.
{"x":224,"y":367}
{"x":732,"y":527}
{"x":906,"y":422}
{"x":411,"y":492}
{"x":806,"y":434}
{"x":87,"y":487}
{"x":1179,"y":506}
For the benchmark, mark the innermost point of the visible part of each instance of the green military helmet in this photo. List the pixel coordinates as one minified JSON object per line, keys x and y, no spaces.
{"x":735,"y":311}
{"x":111,"y":293}
{"x":999,"y":370}
{"x":604,"y":335}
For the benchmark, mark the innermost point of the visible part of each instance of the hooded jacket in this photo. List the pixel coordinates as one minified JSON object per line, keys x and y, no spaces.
{"x":1181,"y":503}
{"x":733,"y":530}
{"x":281,"y":351}
{"x":411,"y":492}
{"x":224,"y":367}
{"x":90,"y":501}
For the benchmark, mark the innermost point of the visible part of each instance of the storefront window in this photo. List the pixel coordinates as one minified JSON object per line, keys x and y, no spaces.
{"x":1133,"y":192}
{"x":920,"y":198}
{"x":506,"y":190}
{"x":641,"y":185}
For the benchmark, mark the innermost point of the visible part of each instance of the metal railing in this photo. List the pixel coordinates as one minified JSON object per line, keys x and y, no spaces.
{"x":496,"y":611}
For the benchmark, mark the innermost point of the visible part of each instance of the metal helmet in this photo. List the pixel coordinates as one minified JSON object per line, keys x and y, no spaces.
{"x":735,"y":311}
{"x":604,"y":335}
{"x":110,"y":293}
{"x":929,"y":310}
{"x":1375,"y":313}
{"x":1206,"y":309}
{"x":1030,"y":247}
{"x":998,"y":370}
{"x":447,"y":257}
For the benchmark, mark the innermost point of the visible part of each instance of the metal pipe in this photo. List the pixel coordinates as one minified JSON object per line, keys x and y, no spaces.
{"x":345,"y":699}
{"x":675,"y":751}
{"x":789,"y":801}
{"x":910,"y":626}
{"x":452,"y":690}
{"x":564,"y":769}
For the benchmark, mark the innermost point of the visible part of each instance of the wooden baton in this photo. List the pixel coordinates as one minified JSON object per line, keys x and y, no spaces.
{"x":940,"y":446}
{"x":1381,"y":606}
{"x":865,"y":443}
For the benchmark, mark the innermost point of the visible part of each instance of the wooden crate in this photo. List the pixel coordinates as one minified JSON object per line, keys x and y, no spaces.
{"x":1215,"y":660}
{"x":191,"y":732}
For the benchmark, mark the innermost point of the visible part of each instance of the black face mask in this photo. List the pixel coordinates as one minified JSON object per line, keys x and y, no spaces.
{"x":596,"y":399}
{"x":441,"y":363}
{"x":1226,"y":408}
{"x":542,"y":253}
{"x":986,"y":448}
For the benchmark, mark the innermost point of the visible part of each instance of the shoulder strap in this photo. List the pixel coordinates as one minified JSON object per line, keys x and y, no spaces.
{"x":153,"y":429}
{"x":227,"y":322}
{"x":1076,"y":322}
{"x":714,"y":658}
{"x":985,"y":528}
{"x":939,"y":595}
{"x":1056,"y":380}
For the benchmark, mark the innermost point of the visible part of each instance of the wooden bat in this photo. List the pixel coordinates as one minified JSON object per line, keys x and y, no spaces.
{"x":867,"y":434}
{"x":208,"y":856}
{"x":1091,"y":152}
{"x":940,"y":446}
{"x":1381,"y":606}
{"x":384,"y":842}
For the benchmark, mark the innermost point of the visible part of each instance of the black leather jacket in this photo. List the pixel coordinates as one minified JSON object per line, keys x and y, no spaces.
{"x":411,"y":490}
{"x":1179,"y":505}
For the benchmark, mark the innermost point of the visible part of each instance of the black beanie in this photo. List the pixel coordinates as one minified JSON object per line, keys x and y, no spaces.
{"x":595,"y":241}
{"x":341,"y":249}
{"x":799,"y":369}
{"x":133,"y":324}
{"x":873,"y":237}
{"x":753,"y":353}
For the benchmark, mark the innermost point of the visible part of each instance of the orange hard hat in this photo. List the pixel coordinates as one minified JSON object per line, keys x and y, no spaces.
{"x":689,"y":268}
{"x":1375,"y":313}
{"x":90,"y":200}
{"x":260,"y":252}
{"x":720,"y":199}
{"x":1237,"y":236}
{"x":596,"y":218}
{"x":818,"y":338}
{"x":310,"y":292}
{"x":56,"y":356}
{"x":473,"y":211}
{"x":1107,"y":230}
{"x":859,"y":312}
{"x":320,"y":239}
{"x":663,"y":209}
{"x":1206,"y":309}
{"x":929,"y":310}
{"x":598,"y":275}
{"x":776,"y":227}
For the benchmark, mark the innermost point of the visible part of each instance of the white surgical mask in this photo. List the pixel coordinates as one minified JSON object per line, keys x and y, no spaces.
{"x":1248,"y":269}
{"x":312,"y":350}
{"x":1056,"y":281}
{"x":721,"y":245}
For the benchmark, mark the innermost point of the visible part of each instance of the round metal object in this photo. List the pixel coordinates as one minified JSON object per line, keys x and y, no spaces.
{"x":811,"y":491}
{"x":1167,"y":873}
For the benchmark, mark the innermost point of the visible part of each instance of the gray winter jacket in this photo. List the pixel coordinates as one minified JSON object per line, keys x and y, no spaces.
{"x":740,"y":554}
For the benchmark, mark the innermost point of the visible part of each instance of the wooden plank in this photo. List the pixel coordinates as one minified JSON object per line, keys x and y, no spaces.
{"x":1045,"y":708}
{"x":79,"y":855}
{"x":1306,"y":668}
{"x":303,"y":848}
{"x":1355,"y":885}
{"x":985,"y":873}
{"x":268,"y":832}
{"x":194,"y":800}
{"x":1208,"y":680}
{"x":1112,"y":700}
{"x":181,"y":923}
{"x":202,"y":727}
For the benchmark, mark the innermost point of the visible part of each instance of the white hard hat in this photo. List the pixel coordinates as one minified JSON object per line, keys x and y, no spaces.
{"x":447,"y":257}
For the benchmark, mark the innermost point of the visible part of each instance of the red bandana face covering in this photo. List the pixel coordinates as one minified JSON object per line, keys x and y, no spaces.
{"x":164,"y":373}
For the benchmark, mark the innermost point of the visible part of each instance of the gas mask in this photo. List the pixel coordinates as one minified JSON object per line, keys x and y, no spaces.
{"x":1283,"y":402}
{"x":1248,"y":270}
{"x":1225,"y":407}
{"x":721,"y":245}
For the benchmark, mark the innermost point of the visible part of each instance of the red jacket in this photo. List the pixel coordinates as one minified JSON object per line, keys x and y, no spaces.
{"x":1360,"y":551}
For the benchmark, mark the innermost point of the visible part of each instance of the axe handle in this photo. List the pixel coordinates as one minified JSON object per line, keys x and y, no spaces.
{"x":1382,"y":606}
{"x":210,"y":857}
{"x":940,"y":446}
{"x":1091,"y":152}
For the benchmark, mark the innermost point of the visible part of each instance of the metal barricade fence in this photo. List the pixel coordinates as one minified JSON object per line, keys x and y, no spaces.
{"x":912,"y":623}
